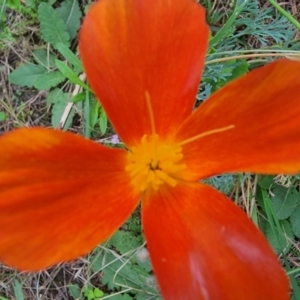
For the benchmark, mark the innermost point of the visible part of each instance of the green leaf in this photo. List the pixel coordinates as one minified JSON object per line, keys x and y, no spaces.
{"x":223,"y":32}
{"x":295,"y":221}
{"x":121,"y":271}
{"x":26,"y":75}
{"x":53,"y":28}
{"x":98,"y":293}
{"x":254,"y":215}
{"x":103,"y":121}
{"x":240,"y":69}
{"x":79,"y":97}
{"x":262,"y":198}
{"x":144,"y":296}
{"x":49,"y":80}
{"x":69,"y":73}
{"x":94,"y":113}
{"x":42,"y":57}
{"x":224,"y":183}
{"x":284,"y":201}
{"x":117,"y":273}
{"x":74,"y":291}
{"x":13,"y":4}
{"x":142,"y":259}
{"x":54,"y":96}
{"x":87,"y":113}
{"x":89,"y":293}
{"x":70,"y":12}
{"x":18,"y":290}
{"x":58,"y":110}
{"x":70,"y":57}
{"x":281,"y":239}
{"x":121,"y":297}
{"x":266,"y":181}
{"x":124,"y":241}
{"x":3,"y":116}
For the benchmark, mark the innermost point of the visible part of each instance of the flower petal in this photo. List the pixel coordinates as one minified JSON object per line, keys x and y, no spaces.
{"x":131,"y":48}
{"x":60,"y":195}
{"x":264,"y":108}
{"x":203,"y":246}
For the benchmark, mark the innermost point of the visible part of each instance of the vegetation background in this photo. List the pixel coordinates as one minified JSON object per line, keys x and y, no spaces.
{"x":42,"y":84}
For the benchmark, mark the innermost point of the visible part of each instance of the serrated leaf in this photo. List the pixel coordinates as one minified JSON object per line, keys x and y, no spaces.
{"x":266,"y":181}
{"x":110,"y":265}
{"x":284,"y":201}
{"x":114,"y":279}
{"x":280,"y":240}
{"x":118,"y":270}
{"x":89,"y":293}
{"x":124,"y":272}
{"x":121,"y":297}
{"x":26,"y":75}
{"x":97,"y":260}
{"x":224,"y":183}
{"x":152,"y":287}
{"x":58,"y":110}
{"x":240,"y":69}
{"x":124,"y":241}
{"x":144,"y":296}
{"x":42,"y":57}
{"x":70,"y":57}
{"x":98,"y":293}
{"x":49,"y":80}
{"x":53,"y":96}
{"x":70,"y":12}
{"x":142,"y":259}
{"x":295,"y":221}
{"x":53,"y":28}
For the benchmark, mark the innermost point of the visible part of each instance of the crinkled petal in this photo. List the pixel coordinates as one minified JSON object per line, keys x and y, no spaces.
{"x":264,"y":108}
{"x":60,"y":195}
{"x":202,"y":246}
{"x":134,"y":48}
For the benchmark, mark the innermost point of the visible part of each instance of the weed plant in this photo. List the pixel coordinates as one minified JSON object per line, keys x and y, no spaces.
{"x":42,"y":84}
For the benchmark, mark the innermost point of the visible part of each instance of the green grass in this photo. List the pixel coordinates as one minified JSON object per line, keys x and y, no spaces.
{"x":46,"y":87}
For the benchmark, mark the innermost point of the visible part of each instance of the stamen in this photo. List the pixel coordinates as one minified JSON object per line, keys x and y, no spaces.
{"x":166,"y":178}
{"x":150,"y":111}
{"x":147,"y":173}
{"x":203,"y":134}
{"x":153,"y":130}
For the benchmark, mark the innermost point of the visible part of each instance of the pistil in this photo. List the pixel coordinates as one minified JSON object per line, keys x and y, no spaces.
{"x":152,"y":164}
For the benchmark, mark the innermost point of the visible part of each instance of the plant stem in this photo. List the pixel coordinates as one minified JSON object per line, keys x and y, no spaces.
{"x":217,"y":60}
{"x":285,"y":14}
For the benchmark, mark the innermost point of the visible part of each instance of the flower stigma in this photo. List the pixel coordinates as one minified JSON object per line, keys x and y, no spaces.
{"x":152,"y":163}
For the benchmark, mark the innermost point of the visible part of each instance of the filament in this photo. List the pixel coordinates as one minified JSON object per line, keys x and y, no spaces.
{"x":153,"y":130}
{"x":203,"y":134}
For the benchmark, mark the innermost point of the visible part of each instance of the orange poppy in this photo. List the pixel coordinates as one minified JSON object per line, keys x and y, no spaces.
{"x":61,"y":194}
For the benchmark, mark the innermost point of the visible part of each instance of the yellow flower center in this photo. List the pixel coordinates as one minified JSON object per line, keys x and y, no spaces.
{"x":152,"y":163}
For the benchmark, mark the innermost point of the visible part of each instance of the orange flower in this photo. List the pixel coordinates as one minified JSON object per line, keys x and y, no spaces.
{"x":61,"y":195}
